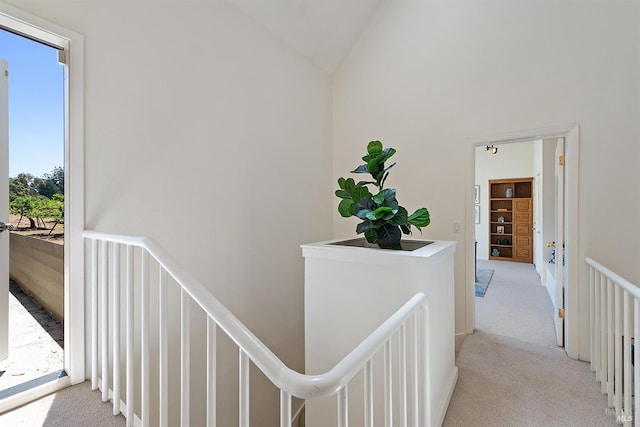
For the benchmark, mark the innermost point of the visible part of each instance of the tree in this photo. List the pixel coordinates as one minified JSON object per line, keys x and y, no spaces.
{"x":37,"y":198}
{"x":23,"y":206}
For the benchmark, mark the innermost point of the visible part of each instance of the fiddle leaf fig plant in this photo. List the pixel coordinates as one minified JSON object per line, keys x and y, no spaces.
{"x":383,"y":219}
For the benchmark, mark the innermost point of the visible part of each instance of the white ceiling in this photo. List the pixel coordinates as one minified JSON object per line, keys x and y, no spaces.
{"x":322,"y":30}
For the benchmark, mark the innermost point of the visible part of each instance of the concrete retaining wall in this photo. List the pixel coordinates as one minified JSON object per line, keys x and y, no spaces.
{"x":38,"y":267}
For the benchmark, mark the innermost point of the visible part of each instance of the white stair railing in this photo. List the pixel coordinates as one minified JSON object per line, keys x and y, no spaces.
{"x":118,"y":318}
{"x":615,"y":327}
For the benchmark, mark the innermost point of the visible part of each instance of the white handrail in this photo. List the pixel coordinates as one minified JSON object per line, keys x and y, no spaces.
{"x":295,"y":383}
{"x":621,"y":281}
{"x":614,"y":324}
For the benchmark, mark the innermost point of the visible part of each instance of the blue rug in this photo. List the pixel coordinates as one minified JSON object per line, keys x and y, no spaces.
{"x":483,"y":277}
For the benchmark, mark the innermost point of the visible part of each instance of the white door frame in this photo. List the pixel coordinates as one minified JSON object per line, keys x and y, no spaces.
{"x":73,"y":44}
{"x":571,"y":133}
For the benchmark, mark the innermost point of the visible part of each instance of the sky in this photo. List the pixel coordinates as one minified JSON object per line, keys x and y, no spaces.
{"x":36,"y":105}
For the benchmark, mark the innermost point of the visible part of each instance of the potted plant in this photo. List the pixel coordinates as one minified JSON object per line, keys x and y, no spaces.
{"x":383,"y":219}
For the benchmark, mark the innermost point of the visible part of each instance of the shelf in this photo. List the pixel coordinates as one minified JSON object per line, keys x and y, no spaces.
{"x":508,"y":209}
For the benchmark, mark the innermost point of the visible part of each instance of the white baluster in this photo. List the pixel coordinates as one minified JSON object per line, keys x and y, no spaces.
{"x":610,"y":343}
{"x":425,"y":419}
{"x":403,"y":376}
{"x":368,"y":393}
{"x":604,"y":328}
{"x":343,"y":407}
{"x":163,"y":344}
{"x":636,"y":361}
{"x":129,"y":338}
{"x":211,"y":372}
{"x":592,"y":326}
{"x":144,"y":341}
{"x":388,"y":385}
{"x":626,"y":351}
{"x":185,"y":358}
{"x":243,"y":388}
{"x":617,"y":386}
{"x":94,"y":314}
{"x":104,"y":306}
{"x":116,"y":328}
{"x":415,"y":370}
{"x":285,"y":409}
{"x":597,"y":322}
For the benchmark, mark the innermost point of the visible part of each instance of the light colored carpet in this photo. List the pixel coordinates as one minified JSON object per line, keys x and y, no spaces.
{"x":75,"y":406}
{"x":511,"y":373}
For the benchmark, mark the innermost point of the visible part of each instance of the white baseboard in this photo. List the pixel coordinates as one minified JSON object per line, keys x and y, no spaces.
{"x":459,"y":340}
{"x":444,"y":406}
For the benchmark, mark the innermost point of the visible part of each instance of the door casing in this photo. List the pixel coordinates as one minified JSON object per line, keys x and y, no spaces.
{"x":38,"y":29}
{"x":571,"y":134}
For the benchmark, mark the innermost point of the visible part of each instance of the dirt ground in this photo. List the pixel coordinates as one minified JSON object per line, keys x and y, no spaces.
{"x":57,"y":236}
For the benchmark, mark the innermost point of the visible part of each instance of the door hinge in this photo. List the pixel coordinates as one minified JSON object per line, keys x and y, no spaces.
{"x":561,"y":160}
{"x":561,"y":313}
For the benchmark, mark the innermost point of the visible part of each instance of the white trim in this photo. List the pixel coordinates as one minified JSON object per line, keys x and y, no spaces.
{"x":35,"y":393}
{"x":571,"y":133}
{"x":37,"y":28}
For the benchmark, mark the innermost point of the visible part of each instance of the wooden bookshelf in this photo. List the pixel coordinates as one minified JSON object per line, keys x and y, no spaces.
{"x":511,"y":219}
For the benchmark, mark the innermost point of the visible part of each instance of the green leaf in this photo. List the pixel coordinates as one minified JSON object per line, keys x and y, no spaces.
{"x":349,"y":185}
{"x":373,"y":166}
{"x":374,"y":147}
{"x":343,"y":194}
{"x":389,"y":237}
{"x":400,"y":217}
{"x":341,"y":183}
{"x":362,"y":213}
{"x":378,"y":213}
{"x":386,"y":154}
{"x":363,"y":227}
{"x":389,"y":196}
{"x":379,"y":198}
{"x":406,"y":229}
{"x":346,"y":208}
{"x":419,"y":218}
{"x":361,"y":169}
{"x":371,"y":236}
{"x":360,"y":193}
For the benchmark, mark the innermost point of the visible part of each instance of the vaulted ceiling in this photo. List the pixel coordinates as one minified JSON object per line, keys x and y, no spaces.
{"x":322,"y":30}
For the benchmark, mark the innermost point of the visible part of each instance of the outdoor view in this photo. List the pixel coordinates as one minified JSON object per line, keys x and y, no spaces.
{"x":36,"y":204}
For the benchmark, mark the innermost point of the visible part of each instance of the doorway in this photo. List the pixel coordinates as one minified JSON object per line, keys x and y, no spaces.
{"x":568,"y":301}
{"x":70,"y":46}
{"x":35,"y":82}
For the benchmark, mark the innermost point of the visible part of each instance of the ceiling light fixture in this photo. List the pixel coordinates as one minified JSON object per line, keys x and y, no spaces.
{"x":491,"y":149}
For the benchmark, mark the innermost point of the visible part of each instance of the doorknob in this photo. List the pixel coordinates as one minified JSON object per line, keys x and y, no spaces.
{"x":551,"y":244}
{"x":5,"y":226}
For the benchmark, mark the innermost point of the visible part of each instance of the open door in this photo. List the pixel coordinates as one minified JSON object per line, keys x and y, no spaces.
{"x":4,"y":209}
{"x":559,"y":214}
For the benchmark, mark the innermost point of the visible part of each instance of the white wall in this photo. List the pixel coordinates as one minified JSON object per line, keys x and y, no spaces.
{"x":512,"y":161}
{"x":429,"y":78}
{"x":213,"y":138}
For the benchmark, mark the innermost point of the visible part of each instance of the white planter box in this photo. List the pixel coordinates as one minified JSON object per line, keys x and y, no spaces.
{"x":350,"y":291}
